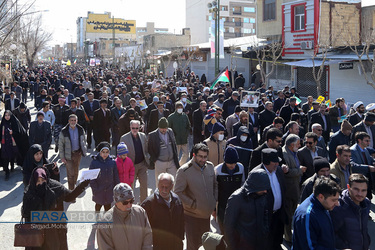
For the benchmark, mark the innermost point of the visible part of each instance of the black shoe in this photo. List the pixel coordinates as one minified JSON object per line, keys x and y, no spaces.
{"x":7,"y":177}
{"x":56,"y":149}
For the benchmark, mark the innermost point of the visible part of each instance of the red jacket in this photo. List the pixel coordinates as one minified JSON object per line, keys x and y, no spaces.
{"x":125,"y":170}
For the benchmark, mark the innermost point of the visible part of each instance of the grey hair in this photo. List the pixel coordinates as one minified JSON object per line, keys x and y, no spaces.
{"x":268,"y":103}
{"x":167,"y":176}
{"x":292,"y":138}
{"x":135,"y":122}
{"x":315,"y":126}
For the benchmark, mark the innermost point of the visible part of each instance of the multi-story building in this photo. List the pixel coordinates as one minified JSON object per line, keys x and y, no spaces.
{"x":95,"y":27}
{"x":148,"y":30}
{"x":239,"y":19}
{"x":70,"y":50}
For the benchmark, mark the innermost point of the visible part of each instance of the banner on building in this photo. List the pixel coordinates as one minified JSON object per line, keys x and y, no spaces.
{"x":212,"y":38}
{"x":103,"y":23}
{"x":221,"y":39}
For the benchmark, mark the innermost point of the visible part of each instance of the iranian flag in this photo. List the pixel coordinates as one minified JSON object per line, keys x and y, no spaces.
{"x":222,"y":77}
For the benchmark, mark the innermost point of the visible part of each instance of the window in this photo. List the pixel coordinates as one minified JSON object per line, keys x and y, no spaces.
{"x":209,"y":18}
{"x":224,"y":8}
{"x":223,"y":18}
{"x":269,"y":10}
{"x":246,"y":20}
{"x":299,"y":17}
{"x":252,"y":20}
{"x":249,"y":9}
{"x":247,"y":31}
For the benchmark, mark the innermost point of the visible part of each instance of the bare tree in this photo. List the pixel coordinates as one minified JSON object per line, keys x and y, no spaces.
{"x":320,"y":50}
{"x":32,"y":37}
{"x":366,"y":57}
{"x":268,"y":52}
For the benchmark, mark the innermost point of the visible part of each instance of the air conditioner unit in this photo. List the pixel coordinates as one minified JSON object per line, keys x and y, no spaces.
{"x":307,"y":45}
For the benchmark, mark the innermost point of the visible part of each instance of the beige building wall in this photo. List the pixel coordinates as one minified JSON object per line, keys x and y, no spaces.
{"x":269,"y":28}
{"x":368,"y":24}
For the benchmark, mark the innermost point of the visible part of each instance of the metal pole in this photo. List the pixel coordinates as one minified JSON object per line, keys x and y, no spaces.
{"x":218,"y":37}
{"x":216,"y":45}
{"x":114,"y":44}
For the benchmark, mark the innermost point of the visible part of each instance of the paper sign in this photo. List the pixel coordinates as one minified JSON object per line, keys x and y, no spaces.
{"x":320,"y":99}
{"x":328,"y":103}
{"x":142,"y":104}
{"x":342,"y":118}
{"x":91,"y":174}
{"x":249,"y":99}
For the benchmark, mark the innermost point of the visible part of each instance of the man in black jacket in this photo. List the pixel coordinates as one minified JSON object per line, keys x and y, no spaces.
{"x":116,"y":112}
{"x":156,"y":115}
{"x":323,"y":119}
{"x":266,"y":116}
{"x":78,"y":112}
{"x":230,"y":104}
{"x":198,"y":115}
{"x":166,"y":215}
{"x":58,"y":111}
{"x":40,"y":133}
{"x":102,"y":123}
{"x":90,"y":106}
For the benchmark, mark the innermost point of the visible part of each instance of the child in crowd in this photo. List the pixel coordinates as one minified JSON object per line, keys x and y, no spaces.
{"x":124,"y":164}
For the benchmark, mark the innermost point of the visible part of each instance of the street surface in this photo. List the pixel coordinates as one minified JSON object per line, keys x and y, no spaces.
{"x":80,"y":236}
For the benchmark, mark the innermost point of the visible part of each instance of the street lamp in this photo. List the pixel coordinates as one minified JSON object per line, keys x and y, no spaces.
{"x":13,"y":48}
{"x":214,"y":9}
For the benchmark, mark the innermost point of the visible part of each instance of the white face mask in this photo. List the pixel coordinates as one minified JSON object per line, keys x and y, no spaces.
{"x":221,"y":137}
{"x":179,"y":111}
{"x":243,"y":138}
{"x":134,"y":92}
{"x":183,"y":99}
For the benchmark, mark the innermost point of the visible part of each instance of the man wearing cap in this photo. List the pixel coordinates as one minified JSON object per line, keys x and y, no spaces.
{"x":197,"y":188}
{"x":179,"y":122}
{"x":323,"y":119}
{"x":313,"y":227}
{"x":246,"y":216}
{"x":59,"y":110}
{"x":367,"y":125}
{"x":216,"y":144}
{"x":12,"y":103}
{"x":156,"y":115}
{"x":341,"y":137}
{"x":72,"y":146}
{"x":137,"y":146}
{"x":125,"y":225}
{"x":287,"y":110}
{"x":102,"y":123}
{"x":41,"y":133}
{"x":116,"y":112}
{"x":321,"y":168}
{"x":90,"y":106}
{"x":166,"y":215}
{"x":276,"y":202}
{"x":230,"y":104}
{"x":163,"y":149}
{"x":230,"y":176}
{"x":357,"y":117}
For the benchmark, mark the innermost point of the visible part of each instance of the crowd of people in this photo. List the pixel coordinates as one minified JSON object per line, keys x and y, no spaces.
{"x":269,"y":175}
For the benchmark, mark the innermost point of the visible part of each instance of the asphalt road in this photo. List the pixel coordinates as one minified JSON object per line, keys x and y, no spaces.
{"x":80,"y":236}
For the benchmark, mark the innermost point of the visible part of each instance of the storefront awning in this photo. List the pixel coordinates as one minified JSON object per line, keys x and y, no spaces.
{"x":308,"y":63}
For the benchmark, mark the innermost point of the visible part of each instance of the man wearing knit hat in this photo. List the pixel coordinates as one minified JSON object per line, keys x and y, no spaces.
{"x":124,"y":226}
{"x":321,"y":168}
{"x":246,"y":216}
{"x":230,"y":176}
{"x":359,"y":109}
{"x":216,"y":144}
{"x":163,"y":149}
{"x":341,"y":137}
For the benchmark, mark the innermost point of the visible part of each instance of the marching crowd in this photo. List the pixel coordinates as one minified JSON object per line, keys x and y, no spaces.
{"x":285,"y":172}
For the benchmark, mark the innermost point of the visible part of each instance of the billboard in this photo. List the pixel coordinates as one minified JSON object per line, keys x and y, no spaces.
{"x":103,"y":23}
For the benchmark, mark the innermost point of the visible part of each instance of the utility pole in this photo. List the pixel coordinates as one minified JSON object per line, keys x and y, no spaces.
{"x":114,"y":43}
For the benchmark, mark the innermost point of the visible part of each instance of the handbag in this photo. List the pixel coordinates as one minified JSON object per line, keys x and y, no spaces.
{"x":28,"y":234}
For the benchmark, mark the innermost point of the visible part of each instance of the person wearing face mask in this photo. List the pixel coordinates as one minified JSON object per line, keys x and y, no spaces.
{"x":187,"y":106}
{"x":216,"y":144}
{"x":293,"y":174}
{"x":230,"y":176}
{"x":242,"y":142}
{"x":180,"y":124}
{"x":246,"y":216}
{"x":126,"y":225}
{"x":46,"y":194}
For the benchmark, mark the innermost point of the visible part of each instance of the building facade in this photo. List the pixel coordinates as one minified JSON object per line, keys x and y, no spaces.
{"x":239,"y":19}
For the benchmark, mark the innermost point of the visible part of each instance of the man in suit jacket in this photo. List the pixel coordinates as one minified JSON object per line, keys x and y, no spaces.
{"x":12,"y":103}
{"x":367,"y":125}
{"x":116,"y":112}
{"x":307,"y":105}
{"x":266,"y":117}
{"x":155,"y":116}
{"x":360,"y":155}
{"x":78,"y":112}
{"x":287,"y":110}
{"x":102,"y":123}
{"x":138,"y":152}
{"x":90,"y":105}
{"x":341,"y":137}
{"x":357,"y":117}
{"x":68,"y":97}
{"x":254,"y":120}
{"x":273,"y":140}
{"x":41,"y":133}
{"x":198,"y":115}
{"x":163,"y":149}
{"x":293,"y":175}
{"x":308,"y":153}
{"x":323,"y":119}
{"x":275,"y":197}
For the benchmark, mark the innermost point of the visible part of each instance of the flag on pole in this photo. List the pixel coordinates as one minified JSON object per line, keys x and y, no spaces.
{"x":222,"y":77}
{"x":75,"y":61}
{"x":298,"y":101}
